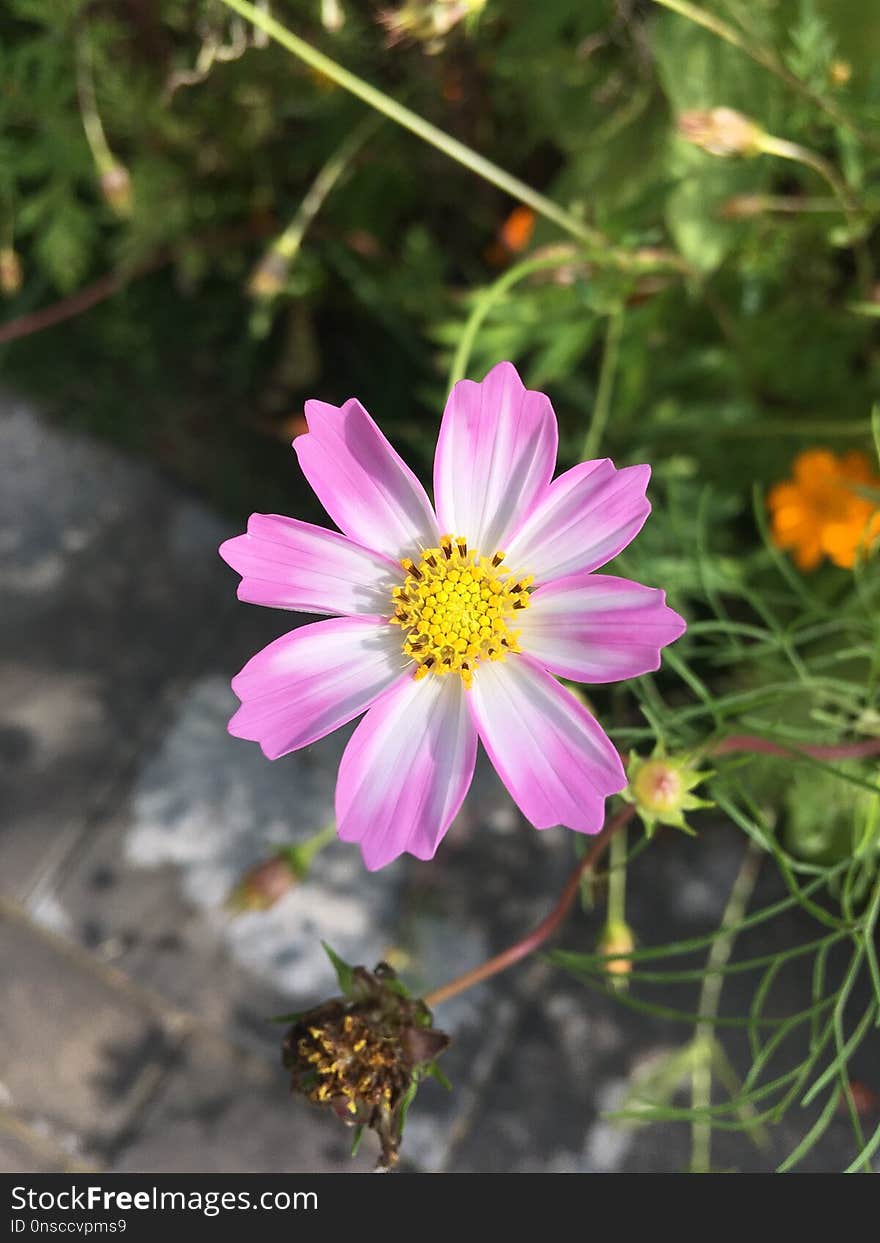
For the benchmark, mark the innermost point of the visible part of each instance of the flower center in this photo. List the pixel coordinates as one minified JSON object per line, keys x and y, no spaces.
{"x":455,"y":608}
{"x":349,"y":1060}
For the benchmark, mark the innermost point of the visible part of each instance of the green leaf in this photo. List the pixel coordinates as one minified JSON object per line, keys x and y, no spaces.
{"x":288,"y":1018}
{"x":405,"y":1104}
{"x":433,"y":1071}
{"x":344,"y":972}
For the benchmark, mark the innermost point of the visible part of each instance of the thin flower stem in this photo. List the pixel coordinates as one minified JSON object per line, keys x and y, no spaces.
{"x":423,"y":129}
{"x":766,"y":58}
{"x":616,"y":912}
{"x":88,"y":107}
{"x":605,"y":391}
{"x":288,"y":243}
{"x":303,"y":853}
{"x":268,"y":277}
{"x":493,"y":294}
{"x":535,"y":939}
{"x":710,"y":998}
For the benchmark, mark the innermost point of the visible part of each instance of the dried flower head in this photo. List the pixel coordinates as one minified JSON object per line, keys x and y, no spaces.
{"x":364,"y":1054}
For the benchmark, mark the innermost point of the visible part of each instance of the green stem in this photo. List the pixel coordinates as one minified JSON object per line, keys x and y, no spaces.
{"x":105,"y":161}
{"x":487,"y":300}
{"x":604,"y":393}
{"x":710,"y":998}
{"x":617,"y":878}
{"x":301,"y":855}
{"x":417,"y":125}
{"x":273,"y":267}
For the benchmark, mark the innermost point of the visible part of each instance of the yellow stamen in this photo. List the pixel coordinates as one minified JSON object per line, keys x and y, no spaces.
{"x":455,"y":606}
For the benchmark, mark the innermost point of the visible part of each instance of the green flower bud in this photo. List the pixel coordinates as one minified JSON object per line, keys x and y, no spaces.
{"x":660,"y":788}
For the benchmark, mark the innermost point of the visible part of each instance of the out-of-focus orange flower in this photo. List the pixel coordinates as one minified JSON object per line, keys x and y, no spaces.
{"x":820,"y":512}
{"x":513,"y":236}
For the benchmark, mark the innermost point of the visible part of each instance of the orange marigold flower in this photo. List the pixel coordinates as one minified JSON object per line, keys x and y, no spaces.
{"x":821,"y":512}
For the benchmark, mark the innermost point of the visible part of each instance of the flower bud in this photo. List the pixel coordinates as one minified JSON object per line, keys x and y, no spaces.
{"x":117,"y":191}
{"x":263,"y":886}
{"x":839,"y":72}
{"x":660,"y":787}
{"x":332,"y":16}
{"x":269,"y":276}
{"x":617,"y":938}
{"x":864,"y":1098}
{"x":268,"y":882}
{"x":426,"y":21}
{"x":720,"y":131}
{"x":10,"y":272}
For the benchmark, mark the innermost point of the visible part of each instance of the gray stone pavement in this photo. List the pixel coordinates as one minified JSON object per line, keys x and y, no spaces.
{"x":135,"y":1030}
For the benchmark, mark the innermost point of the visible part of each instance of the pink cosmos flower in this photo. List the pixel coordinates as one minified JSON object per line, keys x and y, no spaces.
{"x":450,"y":621}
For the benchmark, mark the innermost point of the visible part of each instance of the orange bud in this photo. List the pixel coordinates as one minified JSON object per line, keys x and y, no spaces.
{"x":517,"y":230}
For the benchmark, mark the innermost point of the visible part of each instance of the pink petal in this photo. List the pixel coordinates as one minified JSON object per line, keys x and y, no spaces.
{"x":495,"y":457}
{"x":586,"y":517}
{"x":312,"y":680}
{"x":406,"y":770}
{"x":595,"y":628}
{"x":288,"y":564}
{"x":365,"y":486}
{"x":552,"y":755}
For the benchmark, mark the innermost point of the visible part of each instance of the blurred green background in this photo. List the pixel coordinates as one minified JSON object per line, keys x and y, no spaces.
{"x":221,"y":135}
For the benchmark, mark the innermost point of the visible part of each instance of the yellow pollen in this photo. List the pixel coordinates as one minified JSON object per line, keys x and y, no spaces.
{"x":456,"y":608}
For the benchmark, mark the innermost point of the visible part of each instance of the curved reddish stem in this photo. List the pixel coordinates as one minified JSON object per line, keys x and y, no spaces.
{"x":763,"y":746}
{"x":111,"y":282}
{"x":67,"y":308}
{"x":545,"y":929}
